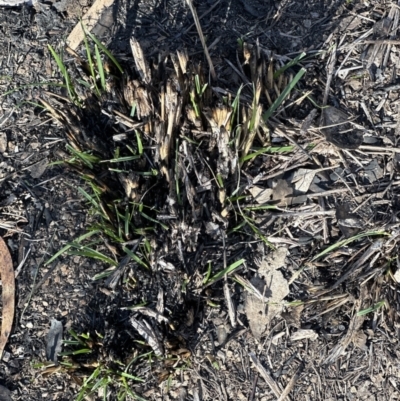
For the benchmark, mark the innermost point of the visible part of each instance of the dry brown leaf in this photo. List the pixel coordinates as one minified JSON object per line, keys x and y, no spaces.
{"x":274,"y":288}
{"x":302,"y":179}
{"x":8,"y":294}
{"x":260,"y":194}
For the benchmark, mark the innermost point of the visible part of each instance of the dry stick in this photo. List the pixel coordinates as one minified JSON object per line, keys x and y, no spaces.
{"x":379,"y":148}
{"x":201,"y":16}
{"x":358,"y":41}
{"x":253,"y":392}
{"x":374,"y":195}
{"x":36,"y":286}
{"x":241,"y":75}
{"x":380,"y":42}
{"x":291,"y":384}
{"x":231,"y":308}
{"x":203,"y":42}
{"x":290,"y":139}
{"x":330,"y":70}
{"x":324,"y":222}
{"x":394,"y":16}
{"x":266,"y":376}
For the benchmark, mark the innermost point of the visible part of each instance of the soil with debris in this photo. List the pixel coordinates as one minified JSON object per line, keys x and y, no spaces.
{"x":311,"y":311}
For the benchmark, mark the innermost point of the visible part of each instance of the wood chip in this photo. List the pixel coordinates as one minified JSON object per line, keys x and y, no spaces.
{"x":140,"y":61}
{"x":89,"y":20}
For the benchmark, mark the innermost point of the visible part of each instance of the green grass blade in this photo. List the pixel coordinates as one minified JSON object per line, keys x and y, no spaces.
{"x":59,"y":253}
{"x":269,"y":149}
{"x":208,"y":275}
{"x":30,"y":85}
{"x":100,"y":68}
{"x":292,"y":63}
{"x":139,"y":142}
{"x":283,"y":95}
{"x":128,"y":376}
{"x":372,"y":308}
{"x":260,"y":234}
{"x":228,"y":270}
{"x":90,"y":61}
{"x":146,"y":216}
{"x":135,"y":258}
{"x":68,"y":246}
{"x":104,"y":50}
{"x":121,"y":159}
{"x":86,"y":158}
{"x":64,"y":72}
{"x":82,"y":250}
{"x":348,"y":241}
{"x":235,"y":106}
{"x":94,"y":203}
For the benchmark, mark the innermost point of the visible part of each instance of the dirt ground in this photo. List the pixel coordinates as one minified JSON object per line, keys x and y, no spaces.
{"x":320,"y":350}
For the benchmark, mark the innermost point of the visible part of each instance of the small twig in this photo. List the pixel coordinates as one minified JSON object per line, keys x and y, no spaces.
{"x":324,"y":223}
{"x":201,"y":16}
{"x":330,"y":71}
{"x":241,"y":75}
{"x":253,"y":392}
{"x":265,"y":375}
{"x":290,"y":139}
{"x":228,"y":298}
{"x":379,"y":148}
{"x":291,"y":383}
{"x":373,"y":248}
{"x":380,"y":42}
{"x":20,"y":266}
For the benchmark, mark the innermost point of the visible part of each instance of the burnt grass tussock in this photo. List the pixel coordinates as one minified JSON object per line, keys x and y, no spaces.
{"x":198,"y":190}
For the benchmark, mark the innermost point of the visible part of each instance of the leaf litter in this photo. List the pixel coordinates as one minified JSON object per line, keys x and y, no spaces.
{"x":271,"y":283}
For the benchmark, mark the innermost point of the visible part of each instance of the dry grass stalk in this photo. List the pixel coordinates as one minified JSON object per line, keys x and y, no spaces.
{"x":201,"y":36}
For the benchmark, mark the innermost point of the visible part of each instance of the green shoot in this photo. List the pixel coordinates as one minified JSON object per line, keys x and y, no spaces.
{"x":139,"y":142}
{"x":91,"y":65}
{"x":85,"y":251}
{"x":104,"y":49}
{"x":291,"y":63}
{"x":68,"y":246}
{"x":269,"y":149}
{"x":235,"y":106}
{"x":100,"y":68}
{"x":208,"y":275}
{"x":228,"y":270}
{"x":199,"y":89}
{"x":63,"y":69}
{"x":372,"y":308}
{"x":87,"y":158}
{"x":283,"y":95}
{"x":135,"y":258}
